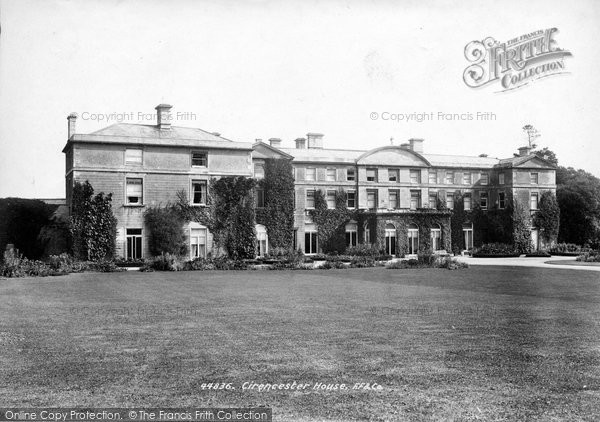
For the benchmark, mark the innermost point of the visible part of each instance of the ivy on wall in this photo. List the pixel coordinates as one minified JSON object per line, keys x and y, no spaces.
{"x":521,"y":231}
{"x":331,"y":222}
{"x":278,"y":214}
{"x":547,"y":217}
{"x":92,"y":225}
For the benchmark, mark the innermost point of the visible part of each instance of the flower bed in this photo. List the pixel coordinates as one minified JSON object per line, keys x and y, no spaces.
{"x":495,"y":250}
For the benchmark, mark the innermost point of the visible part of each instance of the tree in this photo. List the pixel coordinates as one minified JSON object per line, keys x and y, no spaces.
{"x":22,"y":220}
{"x":331,"y":221}
{"x":521,"y":232}
{"x":547,"y":154}
{"x":92,"y":225}
{"x":547,"y":217}
{"x":532,"y":134}
{"x":167,"y":234}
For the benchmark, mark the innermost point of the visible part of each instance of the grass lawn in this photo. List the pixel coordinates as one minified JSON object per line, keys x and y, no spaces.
{"x":486,"y":343}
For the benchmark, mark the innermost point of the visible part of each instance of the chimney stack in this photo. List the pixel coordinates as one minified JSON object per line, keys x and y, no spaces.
{"x":163,"y":116}
{"x":275,"y":142}
{"x":72,"y":118}
{"x":524,"y":151}
{"x":300,"y":143}
{"x":315,"y":140}
{"x":405,"y":146}
{"x":416,"y":145}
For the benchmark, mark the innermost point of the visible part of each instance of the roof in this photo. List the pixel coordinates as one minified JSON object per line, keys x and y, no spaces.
{"x":461,"y":161}
{"x":129,"y":133}
{"x":324,"y":155}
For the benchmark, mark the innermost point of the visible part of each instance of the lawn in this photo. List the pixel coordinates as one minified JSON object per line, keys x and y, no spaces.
{"x":485,"y":343}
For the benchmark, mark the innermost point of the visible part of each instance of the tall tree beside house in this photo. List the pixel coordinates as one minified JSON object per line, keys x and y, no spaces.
{"x":331,"y":221}
{"x":547,"y":217}
{"x":278,"y":215}
{"x":521,"y":231}
{"x":92,"y":225}
{"x":578,"y":195}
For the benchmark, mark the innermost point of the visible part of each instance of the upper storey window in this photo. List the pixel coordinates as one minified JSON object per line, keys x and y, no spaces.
{"x":485,"y":179}
{"x":371,"y":175}
{"x":199,"y":159}
{"x":415,"y":176}
{"x":311,"y":173}
{"x":133,"y":156}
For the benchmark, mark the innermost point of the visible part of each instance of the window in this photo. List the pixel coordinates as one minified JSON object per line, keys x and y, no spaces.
{"x":198,"y":192}
{"x":331,"y":174}
{"x":366,"y":233}
{"x":468,"y":235}
{"x":433,"y":201}
{"x":534,"y":201}
{"x":351,"y":234}
{"x":415,"y":176}
{"x":415,"y":199}
{"x":393,"y":175}
{"x":436,"y":238}
{"x":134,"y":243}
{"x":467,"y":201}
{"x":533,"y":178}
{"x":311,"y":173}
{"x":390,"y":239}
{"x":371,"y":175}
{"x":350,"y":175}
{"x":262,"y":240}
{"x":501,"y":178}
{"x":133,"y":156}
{"x":199,"y":159}
{"x":449,"y":177}
{"x":413,"y":239}
{"x":134,"y":191}
{"x":432,"y":177}
{"x":198,"y":243}
{"x":501,"y":200}
{"x":484,"y":179}
{"x":259,"y":198}
{"x":331,"y":199}
{"x":351,"y":199}
{"x":466,"y":178}
{"x":483,"y":200}
{"x":311,"y":242}
{"x":393,"y":199}
{"x":450,"y":201}
{"x":371,"y":199}
{"x":259,"y":172}
{"x":310,"y":199}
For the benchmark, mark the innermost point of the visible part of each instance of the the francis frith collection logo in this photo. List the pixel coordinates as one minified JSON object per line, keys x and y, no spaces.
{"x":514,"y":63}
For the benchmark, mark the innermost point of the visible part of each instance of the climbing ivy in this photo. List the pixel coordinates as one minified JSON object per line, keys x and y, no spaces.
{"x":278,"y":214}
{"x":331,"y":222}
{"x":547,"y":217}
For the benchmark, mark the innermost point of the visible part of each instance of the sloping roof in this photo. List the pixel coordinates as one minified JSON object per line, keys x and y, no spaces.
{"x":152,"y":131}
{"x":517,"y":161}
{"x":128,"y":133}
{"x":460,"y":161}
{"x":323,"y":155}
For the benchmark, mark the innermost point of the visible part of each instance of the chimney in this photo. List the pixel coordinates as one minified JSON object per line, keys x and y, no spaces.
{"x":71,"y":125}
{"x":163,"y":116}
{"x":300,"y":143}
{"x":416,"y":145}
{"x":315,"y":140}
{"x":275,"y":142}
{"x":524,"y":151}
{"x":216,"y":133}
{"x":405,"y":146}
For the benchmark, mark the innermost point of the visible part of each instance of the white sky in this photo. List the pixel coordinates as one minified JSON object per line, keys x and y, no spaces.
{"x":262,"y":69}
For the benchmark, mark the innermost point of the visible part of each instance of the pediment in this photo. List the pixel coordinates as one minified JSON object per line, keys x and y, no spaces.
{"x":535,"y":162}
{"x":393,"y":156}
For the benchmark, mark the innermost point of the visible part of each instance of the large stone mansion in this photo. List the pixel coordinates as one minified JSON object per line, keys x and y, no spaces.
{"x":395,"y":186}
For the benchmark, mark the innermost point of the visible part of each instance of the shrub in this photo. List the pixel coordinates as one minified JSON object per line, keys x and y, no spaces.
{"x":426,"y":258}
{"x":363,"y":250}
{"x":199,"y":264}
{"x":363,"y":262}
{"x":566,"y":249}
{"x":440,"y":262}
{"x":104,"y":266}
{"x":451,"y":264}
{"x":167,"y":234}
{"x":64,"y":263}
{"x":332,"y":265}
{"x":167,"y":262}
{"x":495,"y":250}
{"x":591,"y":256}
{"x":536,"y":254}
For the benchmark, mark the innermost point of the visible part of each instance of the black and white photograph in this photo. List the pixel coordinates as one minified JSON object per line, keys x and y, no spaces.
{"x":321,"y":210}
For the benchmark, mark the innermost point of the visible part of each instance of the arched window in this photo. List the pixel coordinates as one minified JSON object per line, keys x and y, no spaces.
{"x":366,"y":234}
{"x":436,"y":237}
{"x":390,"y":239}
{"x":413,"y":239}
{"x":262,"y":244}
{"x":351,"y":234}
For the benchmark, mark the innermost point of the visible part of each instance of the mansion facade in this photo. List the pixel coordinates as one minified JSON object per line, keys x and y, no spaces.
{"x":403,"y":197}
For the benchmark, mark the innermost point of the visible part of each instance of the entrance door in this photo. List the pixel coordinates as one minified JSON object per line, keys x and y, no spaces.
{"x":390,"y":239}
{"x":468,"y":233}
